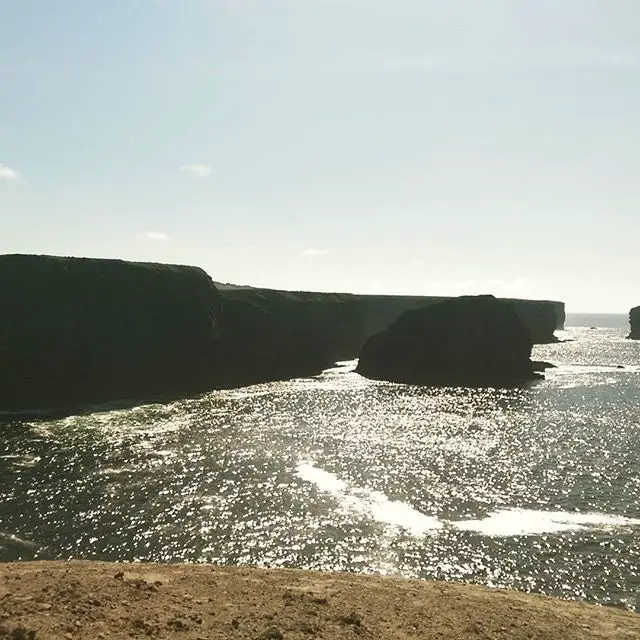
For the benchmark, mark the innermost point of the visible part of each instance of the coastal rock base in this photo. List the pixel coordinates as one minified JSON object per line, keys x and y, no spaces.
{"x":93,"y":600}
{"x":634,"y":323}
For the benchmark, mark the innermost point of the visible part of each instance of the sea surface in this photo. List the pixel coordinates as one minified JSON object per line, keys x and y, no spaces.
{"x":536,"y":489}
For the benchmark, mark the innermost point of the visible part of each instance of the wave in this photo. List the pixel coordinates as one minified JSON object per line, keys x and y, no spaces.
{"x":367,"y":502}
{"x":506,"y":522}
{"x":515,"y":522}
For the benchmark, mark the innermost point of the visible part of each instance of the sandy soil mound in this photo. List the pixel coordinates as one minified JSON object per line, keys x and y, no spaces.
{"x":92,"y":600}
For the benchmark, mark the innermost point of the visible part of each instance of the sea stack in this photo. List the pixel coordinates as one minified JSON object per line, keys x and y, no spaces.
{"x":473,"y":341}
{"x":634,"y":322}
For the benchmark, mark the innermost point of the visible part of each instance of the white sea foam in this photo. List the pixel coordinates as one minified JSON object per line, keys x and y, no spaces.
{"x":340,"y":368}
{"x":507,"y":522}
{"x":514,"y":522}
{"x":373,"y":504}
{"x":324,"y":480}
{"x":8,"y":539}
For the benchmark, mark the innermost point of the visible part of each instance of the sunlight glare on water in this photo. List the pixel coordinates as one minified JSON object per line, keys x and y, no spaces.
{"x":534,"y":488}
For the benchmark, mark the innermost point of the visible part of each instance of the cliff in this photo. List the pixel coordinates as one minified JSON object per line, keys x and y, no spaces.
{"x":341,"y":322}
{"x":256,"y":346}
{"x":471,"y":341}
{"x":541,"y":317}
{"x":335,"y":322}
{"x":634,"y":323}
{"x":76,"y":331}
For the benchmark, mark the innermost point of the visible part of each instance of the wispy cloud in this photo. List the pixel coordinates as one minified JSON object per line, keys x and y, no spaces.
{"x":311,"y":252}
{"x":155,"y":236}
{"x":197,"y":170}
{"x":7,"y":173}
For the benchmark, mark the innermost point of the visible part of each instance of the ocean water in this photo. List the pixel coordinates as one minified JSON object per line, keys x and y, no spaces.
{"x":536,"y":488}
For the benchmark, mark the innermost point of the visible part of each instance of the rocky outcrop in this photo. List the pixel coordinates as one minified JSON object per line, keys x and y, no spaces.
{"x":634,"y":323}
{"x":466,"y":341}
{"x":77,"y":331}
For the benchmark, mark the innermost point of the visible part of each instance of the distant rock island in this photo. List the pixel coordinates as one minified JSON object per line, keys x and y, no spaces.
{"x":471,"y":341}
{"x":634,"y":322}
{"x":82,"y":331}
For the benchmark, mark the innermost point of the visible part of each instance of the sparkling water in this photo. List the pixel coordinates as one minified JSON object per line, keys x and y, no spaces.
{"x":536,"y":488}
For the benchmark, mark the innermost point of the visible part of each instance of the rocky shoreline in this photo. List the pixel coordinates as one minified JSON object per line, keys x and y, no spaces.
{"x":95,"y":600}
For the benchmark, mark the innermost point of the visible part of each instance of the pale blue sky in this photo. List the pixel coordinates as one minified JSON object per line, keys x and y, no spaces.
{"x":390,"y":146}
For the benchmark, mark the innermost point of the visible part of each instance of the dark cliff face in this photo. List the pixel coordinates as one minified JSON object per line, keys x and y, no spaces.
{"x":634,"y":322}
{"x":560,"y":312}
{"x":342,"y":322}
{"x":542,"y":318}
{"x":255,"y":346}
{"x":333,"y":322}
{"x":77,"y":331}
{"x":466,"y":341}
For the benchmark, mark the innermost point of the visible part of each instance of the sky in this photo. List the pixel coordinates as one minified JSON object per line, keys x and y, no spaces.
{"x":435,"y":147}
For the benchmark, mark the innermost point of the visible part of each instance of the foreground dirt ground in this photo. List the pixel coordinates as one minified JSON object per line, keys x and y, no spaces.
{"x":92,"y":600}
